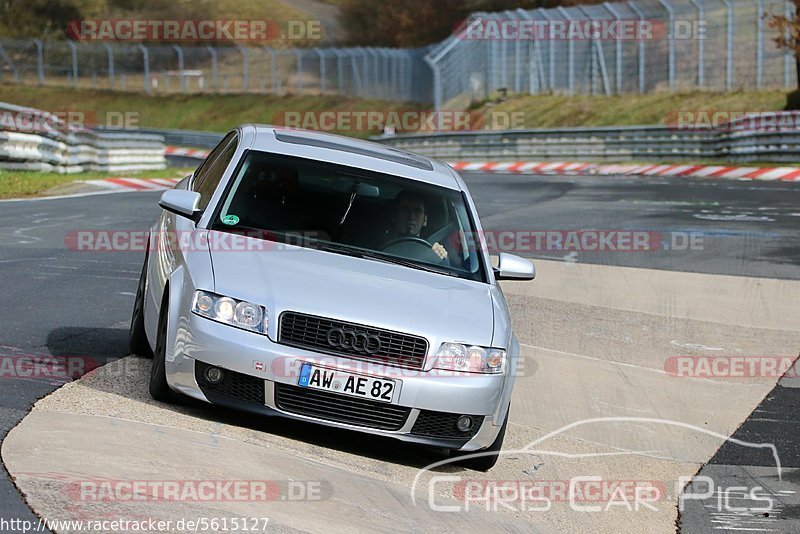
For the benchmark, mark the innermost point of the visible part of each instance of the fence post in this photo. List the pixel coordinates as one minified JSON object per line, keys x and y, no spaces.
{"x":74,"y":53}
{"x":273,"y":67}
{"x":729,"y":46}
{"x":570,"y":55}
{"x":110,"y":55}
{"x":245,"y":67}
{"x":642,"y":47}
{"x":618,"y":50}
{"x":788,"y":58}
{"x":298,"y":56}
{"x":760,"y":45}
{"x":671,"y":37}
{"x":213,"y":53}
{"x":551,"y":53}
{"x":181,"y":76}
{"x":146,"y":65}
{"x":39,"y":60}
{"x":339,"y":70}
{"x":7,"y":59}
{"x":323,"y":81}
{"x":437,"y":83}
{"x":701,"y":47}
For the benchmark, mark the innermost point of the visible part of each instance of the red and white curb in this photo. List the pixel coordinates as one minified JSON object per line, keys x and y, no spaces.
{"x":785,"y":174}
{"x":135,"y":184}
{"x":186,"y":152}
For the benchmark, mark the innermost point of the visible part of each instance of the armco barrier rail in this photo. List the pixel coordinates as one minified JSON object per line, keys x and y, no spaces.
{"x":187,"y":138}
{"x":607,"y":144}
{"x":46,"y":143}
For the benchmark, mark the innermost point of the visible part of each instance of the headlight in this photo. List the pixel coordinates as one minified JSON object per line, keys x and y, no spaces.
{"x":470,"y":358}
{"x":230,"y":311}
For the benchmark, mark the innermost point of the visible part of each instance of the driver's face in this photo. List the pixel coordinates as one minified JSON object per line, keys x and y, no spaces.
{"x":409,"y":217}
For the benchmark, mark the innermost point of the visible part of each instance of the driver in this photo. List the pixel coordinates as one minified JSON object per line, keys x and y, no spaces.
{"x":409,"y":217}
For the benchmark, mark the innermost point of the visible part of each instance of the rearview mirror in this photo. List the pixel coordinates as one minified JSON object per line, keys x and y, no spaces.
{"x":510,"y":267}
{"x":181,"y":202}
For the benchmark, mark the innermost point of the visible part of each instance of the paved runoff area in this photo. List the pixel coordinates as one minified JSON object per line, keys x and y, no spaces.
{"x":658,"y":390}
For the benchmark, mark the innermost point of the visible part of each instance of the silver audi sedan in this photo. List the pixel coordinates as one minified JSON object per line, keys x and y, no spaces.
{"x":333,"y":281}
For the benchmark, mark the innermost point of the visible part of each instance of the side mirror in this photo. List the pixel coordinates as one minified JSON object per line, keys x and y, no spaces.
{"x":510,"y":267}
{"x":181,"y":202}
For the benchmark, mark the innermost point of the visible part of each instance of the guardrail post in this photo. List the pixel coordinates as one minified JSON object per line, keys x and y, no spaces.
{"x":570,"y":55}
{"x":39,"y":60}
{"x":701,"y":47}
{"x":642,"y":47}
{"x":729,"y":46}
{"x":671,"y":37}
{"x":146,"y":65}
{"x":110,"y":55}
{"x":181,"y":75}
{"x":74,"y":53}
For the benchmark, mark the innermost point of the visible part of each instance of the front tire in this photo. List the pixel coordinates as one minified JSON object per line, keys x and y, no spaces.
{"x":137,"y":338}
{"x":159,"y":388}
{"x":487,"y":461}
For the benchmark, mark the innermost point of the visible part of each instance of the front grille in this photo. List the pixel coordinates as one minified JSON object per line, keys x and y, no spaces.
{"x":235,"y":385}
{"x":311,"y":332}
{"x":340,"y":408}
{"x":443,"y":425}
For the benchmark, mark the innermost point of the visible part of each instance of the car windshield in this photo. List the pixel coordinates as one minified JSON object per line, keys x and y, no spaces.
{"x":351,"y":211}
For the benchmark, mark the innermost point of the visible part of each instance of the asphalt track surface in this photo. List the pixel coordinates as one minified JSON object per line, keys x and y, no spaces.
{"x":57,"y":302}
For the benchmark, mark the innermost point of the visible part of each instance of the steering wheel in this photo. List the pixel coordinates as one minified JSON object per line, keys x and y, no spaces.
{"x":414,"y":247}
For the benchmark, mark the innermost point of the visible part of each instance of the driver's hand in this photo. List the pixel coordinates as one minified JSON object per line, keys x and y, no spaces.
{"x":439,"y":250}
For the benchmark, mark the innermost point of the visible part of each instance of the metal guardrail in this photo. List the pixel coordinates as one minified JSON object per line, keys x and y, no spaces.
{"x":188,"y":138}
{"x":44,"y":142}
{"x":608,"y":144}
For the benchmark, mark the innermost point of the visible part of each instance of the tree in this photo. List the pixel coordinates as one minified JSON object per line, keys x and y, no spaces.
{"x":411,"y":23}
{"x":788,"y":34}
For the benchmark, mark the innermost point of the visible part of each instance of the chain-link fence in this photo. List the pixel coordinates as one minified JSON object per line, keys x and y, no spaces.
{"x":389,"y":74}
{"x":636,"y":46}
{"x":722,"y":45}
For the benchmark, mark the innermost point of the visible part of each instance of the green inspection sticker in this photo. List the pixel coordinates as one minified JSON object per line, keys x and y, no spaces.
{"x":230,"y":220}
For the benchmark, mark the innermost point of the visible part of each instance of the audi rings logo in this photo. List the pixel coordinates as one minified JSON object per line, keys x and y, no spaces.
{"x":351,"y":340}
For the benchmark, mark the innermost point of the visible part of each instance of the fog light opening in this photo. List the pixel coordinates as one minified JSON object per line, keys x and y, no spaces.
{"x":464,"y":423}
{"x":214,"y":375}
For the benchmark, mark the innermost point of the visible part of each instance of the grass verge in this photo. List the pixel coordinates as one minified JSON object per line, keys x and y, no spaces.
{"x":217,"y":113}
{"x":21,"y":184}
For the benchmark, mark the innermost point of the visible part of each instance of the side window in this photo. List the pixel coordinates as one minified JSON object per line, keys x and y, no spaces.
{"x":206,"y":163}
{"x":211,"y":173}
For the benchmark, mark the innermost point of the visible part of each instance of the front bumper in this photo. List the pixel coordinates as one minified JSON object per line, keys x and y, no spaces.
{"x":419,"y":412}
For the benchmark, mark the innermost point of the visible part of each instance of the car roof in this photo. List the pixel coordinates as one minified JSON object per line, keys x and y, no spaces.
{"x":349,"y":152}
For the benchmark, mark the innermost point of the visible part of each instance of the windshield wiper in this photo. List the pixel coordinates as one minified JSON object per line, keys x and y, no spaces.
{"x":385,"y":258}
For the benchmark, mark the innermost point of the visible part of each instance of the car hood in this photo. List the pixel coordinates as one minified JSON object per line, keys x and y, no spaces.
{"x":372,"y":293}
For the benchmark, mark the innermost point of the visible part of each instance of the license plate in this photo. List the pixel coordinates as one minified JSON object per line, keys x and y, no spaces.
{"x":335,"y":381}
